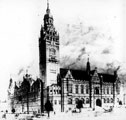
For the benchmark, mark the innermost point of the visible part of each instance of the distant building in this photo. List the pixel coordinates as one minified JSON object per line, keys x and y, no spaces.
{"x":63,"y":87}
{"x":3,"y":106}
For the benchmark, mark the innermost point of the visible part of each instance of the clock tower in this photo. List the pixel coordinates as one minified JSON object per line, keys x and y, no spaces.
{"x":48,"y":50}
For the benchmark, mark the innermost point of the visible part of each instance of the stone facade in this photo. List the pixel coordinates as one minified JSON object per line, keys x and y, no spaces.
{"x":75,"y":85}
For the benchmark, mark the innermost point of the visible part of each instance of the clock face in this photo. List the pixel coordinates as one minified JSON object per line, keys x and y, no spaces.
{"x":52,"y":51}
{"x":52,"y":55}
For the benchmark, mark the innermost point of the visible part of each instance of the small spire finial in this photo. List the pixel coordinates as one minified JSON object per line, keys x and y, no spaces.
{"x":47,"y":4}
{"x":88,"y":66}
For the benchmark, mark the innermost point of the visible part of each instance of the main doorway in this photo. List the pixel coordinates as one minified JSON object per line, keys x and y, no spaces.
{"x":98,"y":102}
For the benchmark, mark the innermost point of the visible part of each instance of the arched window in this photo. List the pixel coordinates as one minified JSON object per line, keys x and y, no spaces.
{"x":87,"y":100}
{"x":82,"y":99}
{"x":107,"y":100}
{"x":69,"y":101}
{"x":104,"y":100}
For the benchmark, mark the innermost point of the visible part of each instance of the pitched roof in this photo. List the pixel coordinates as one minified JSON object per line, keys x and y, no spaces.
{"x":77,"y":74}
{"x":82,"y":75}
{"x":107,"y":77}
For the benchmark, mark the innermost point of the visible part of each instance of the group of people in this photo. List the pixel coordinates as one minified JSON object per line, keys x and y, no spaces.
{"x":49,"y":107}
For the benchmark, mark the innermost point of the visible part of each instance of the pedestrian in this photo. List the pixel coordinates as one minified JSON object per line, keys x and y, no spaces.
{"x":79,"y":105}
{"x":48,"y":107}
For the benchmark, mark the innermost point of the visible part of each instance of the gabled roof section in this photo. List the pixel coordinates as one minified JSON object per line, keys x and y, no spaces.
{"x":82,"y":75}
{"x":69,"y":75}
{"x":76,"y":74}
{"x":95,"y":76}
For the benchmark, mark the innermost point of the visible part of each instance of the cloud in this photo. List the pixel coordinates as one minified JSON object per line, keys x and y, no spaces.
{"x":79,"y":40}
{"x":106,"y":51}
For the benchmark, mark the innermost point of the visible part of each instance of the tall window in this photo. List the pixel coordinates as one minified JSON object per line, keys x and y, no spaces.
{"x":111,"y":90}
{"x":104,"y":100}
{"x":76,"y":88}
{"x":96,"y":90}
{"x":107,"y":90}
{"x":59,"y":101}
{"x":82,"y":99}
{"x":55,"y":102}
{"x":70,"y":88}
{"x":87,"y":90}
{"x":82,"y":89}
{"x":107,"y":100}
{"x":104,"y":90}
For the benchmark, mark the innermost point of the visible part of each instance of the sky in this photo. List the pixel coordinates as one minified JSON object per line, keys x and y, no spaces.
{"x":94,"y":27}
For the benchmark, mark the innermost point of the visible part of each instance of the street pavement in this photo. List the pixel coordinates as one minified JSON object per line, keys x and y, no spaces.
{"x":86,"y":114}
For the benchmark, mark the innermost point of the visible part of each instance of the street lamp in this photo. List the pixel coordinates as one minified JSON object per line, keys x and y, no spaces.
{"x":41,"y":95}
{"x":101,"y":88}
{"x":62,"y":95}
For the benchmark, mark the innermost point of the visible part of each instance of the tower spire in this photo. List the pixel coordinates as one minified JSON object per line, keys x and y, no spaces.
{"x":88,"y":58}
{"x":47,"y":10}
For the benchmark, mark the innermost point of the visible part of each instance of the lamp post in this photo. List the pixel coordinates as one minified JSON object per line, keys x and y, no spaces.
{"x":90,"y":87}
{"x":27,"y":102}
{"x":41,"y":95}
{"x":113,"y":93}
{"x":47,"y":93}
{"x":62,"y":95}
{"x":101,"y":88}
{"x":93,"y":97}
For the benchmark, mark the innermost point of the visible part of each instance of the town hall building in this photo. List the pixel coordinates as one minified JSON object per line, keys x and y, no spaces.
{"x":62,"y":87}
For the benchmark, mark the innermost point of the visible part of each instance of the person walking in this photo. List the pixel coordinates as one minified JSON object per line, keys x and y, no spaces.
{"x":48,"y":107}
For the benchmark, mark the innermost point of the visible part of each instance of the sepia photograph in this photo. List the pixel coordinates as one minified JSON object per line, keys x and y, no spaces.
{"x":62,"y":59}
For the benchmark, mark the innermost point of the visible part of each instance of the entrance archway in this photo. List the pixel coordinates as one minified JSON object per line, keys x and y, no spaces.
{"x":98,"y":102}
